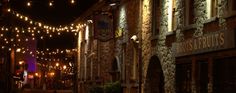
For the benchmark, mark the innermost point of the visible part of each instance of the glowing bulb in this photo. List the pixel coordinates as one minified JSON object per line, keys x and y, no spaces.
{"x":21,"y":17}
{"x":26,"y":18}
{"x":50,"y":3}
{"x":40,"y":24}
{"x":57,"y":64}
{"x":72,"y":1}
{"x":18,"y":50}
{"x":3,"y":47}
{"x":26,"y":39}
{"x":31,"y":22}
{"x":9,"y":10}
{"x":33,"y":38}
{"x":41,"y":37}
{"x":17,"y":15}
{"x":50,"y":35}
{"x":28,"y":4}
{"x":64,"y":67}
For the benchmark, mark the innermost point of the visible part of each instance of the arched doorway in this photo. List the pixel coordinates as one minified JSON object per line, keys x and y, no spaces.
{"x":155,"y":77}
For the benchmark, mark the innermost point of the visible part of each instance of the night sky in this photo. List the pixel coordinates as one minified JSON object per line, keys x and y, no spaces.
{"x":61,"y":13}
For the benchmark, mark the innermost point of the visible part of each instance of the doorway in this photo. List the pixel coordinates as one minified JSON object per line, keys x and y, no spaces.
{"x":155,"y":77}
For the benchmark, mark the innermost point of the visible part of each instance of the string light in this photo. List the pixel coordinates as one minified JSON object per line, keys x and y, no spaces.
{"x":51,"y":3}
{"x":72,"y":1}
{"x":72,"y":26}
{"x":29,"y":4}
{"x":9,"y":10}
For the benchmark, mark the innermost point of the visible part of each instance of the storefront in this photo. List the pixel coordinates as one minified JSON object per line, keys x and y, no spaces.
{"x":206,"y":64}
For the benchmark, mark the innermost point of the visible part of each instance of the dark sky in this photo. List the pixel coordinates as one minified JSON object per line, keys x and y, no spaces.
{"x":61,"y":13}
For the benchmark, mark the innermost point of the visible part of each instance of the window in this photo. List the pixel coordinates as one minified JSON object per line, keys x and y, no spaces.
{"x":183,"y":78}
{"x":155,"y":17}
{"x":224,"y":75}
{"x":188,"y":12}
{"x":211,"y":8}
{"x":171,"y":15}
{"x":202,"y":80}
{"x":233,"y":5}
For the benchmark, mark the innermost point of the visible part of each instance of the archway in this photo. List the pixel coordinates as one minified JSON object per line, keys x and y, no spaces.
{"x":115,"y":71}
{"x":155,"y":77}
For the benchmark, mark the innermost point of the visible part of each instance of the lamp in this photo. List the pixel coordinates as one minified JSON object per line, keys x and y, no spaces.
{"x":113,"y":2}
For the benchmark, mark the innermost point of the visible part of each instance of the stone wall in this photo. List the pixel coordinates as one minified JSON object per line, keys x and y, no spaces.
{"x":163,"y":52}
{"x":127,"y":21}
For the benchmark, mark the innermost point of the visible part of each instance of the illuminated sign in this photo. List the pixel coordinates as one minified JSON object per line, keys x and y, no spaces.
{"x":209,"y":42}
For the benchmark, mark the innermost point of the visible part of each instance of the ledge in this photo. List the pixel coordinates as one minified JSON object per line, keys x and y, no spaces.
{"x":189,"y":27}
{"x":210,"y":20}
{"x":230,"y":14}
{"x":170,"y":32}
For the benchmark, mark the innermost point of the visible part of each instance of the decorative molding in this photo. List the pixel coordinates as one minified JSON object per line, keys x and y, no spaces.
{"x":222,"y":4}
{"x":200,"y":16}
{"x":180,"y":19}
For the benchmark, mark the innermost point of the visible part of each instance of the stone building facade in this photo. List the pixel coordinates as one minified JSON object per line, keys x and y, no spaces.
{"x":173,"y":52}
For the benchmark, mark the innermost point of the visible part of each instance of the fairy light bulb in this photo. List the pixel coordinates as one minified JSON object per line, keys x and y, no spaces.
{"x":40,"y":24}
{"x":26,"y":18}
{"x":51,"y":3}
{"x":9,"y":10}
{"x":72,"y":1}
{"x":28,"y":4}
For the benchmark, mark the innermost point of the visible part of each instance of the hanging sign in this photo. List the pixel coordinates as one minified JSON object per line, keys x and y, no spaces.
{"x":103,"y":27}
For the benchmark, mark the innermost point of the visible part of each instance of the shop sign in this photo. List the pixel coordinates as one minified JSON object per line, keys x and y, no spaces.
{"x":207,"y":43}
{"x":103,"y":27}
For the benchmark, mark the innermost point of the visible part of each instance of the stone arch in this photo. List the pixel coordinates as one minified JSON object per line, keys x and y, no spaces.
{"x":154,"y":82}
